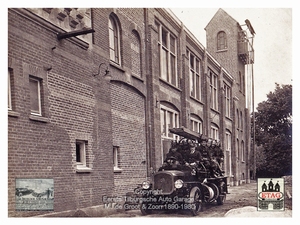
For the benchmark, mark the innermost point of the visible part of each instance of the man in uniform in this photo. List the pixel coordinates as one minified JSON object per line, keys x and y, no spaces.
{"x":173,"y":158}
{"x":193,"y":158}
{"x":217,"y":158}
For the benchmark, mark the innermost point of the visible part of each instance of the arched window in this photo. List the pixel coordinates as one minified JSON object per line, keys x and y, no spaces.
{"x":114,"y":40}
{"x":243,"y":151}
{"x":135,"y":53}
{"x":214,"y":131}
{"x":196,"y":124}
{"x":237,"y":119}
{"x":241,"y":121}
{"x":237,"y":149}
{"x":222,"y":41}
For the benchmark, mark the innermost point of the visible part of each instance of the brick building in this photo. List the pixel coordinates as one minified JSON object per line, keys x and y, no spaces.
{"x":93,"y":92}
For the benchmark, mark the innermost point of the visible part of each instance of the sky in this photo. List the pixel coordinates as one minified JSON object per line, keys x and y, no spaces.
{"x":272,"y":41}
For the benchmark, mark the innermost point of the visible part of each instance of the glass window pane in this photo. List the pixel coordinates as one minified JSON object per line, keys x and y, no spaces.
{"x":173,"y":71}
{"x":197,"y":66}
{"x":197,"y":86}
{"x":164,"y":64}
{"x":34,"y":95}
{"x":78,"y":155}
{"x":172,"y":44}
{"x":163,"y":122}
{"x":9,"y":91}
{"x":164,"y":37}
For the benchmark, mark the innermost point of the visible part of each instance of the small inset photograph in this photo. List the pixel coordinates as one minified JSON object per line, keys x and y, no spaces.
{"x":34,"y":194}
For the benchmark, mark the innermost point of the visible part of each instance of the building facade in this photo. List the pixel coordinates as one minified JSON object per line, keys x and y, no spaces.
{"x":92,"y":94}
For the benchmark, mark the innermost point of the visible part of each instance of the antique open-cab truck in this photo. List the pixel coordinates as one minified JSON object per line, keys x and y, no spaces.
{"x":182,"y":188}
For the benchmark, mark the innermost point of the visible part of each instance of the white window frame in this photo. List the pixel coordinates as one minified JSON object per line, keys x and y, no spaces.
{"x":227,"y":96}
{"x":81,"y":165}
{"x":114,"y":40}
{"x":39,"y":111}
{"x":195,"y":75}
{"x":214,"y":132}
{"x":165,"y":113}
{"x":196,"y":125}
{"x":166,"y":68}
{"x":228,"y":151}
{"x":213,"y":91}
{"x":116,"y":159}
{"x":9,"y":90}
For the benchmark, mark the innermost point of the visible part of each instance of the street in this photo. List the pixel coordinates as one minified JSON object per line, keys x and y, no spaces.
{"x":238,"y":196}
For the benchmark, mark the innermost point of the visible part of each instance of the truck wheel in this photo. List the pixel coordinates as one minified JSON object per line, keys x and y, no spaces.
{"x":195,"y":201}
{"x":144,"y":209}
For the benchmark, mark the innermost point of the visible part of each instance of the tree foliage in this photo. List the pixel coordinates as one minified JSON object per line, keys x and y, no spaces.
{"x":273,"y":131}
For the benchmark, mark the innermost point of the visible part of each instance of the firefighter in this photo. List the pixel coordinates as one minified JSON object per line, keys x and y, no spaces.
{"x":217,"y":157}
{"x":173,"y":152}
{"x":192,"y":158}
{"x":173,"y":158}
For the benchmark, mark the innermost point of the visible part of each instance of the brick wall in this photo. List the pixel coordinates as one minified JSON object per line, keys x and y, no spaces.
{"x":46,"y":148}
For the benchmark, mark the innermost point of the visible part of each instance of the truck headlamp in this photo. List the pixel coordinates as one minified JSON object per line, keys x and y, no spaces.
{"x":146,"y":185}
{"x":178,"y":183}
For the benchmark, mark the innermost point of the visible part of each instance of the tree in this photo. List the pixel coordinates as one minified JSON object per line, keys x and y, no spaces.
{"x":273,"y":132}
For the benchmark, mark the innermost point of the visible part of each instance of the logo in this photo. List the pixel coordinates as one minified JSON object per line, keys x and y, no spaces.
{"x":270,"y":194}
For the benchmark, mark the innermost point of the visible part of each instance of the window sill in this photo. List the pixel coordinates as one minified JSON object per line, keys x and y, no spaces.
{"x":169,"y":84}
{"x":117,"y":170}
{"x":83,"y":169}
{"x":222,"y":50}
{"x":39,"y":118}
{"x":13,"y":113}
{"x":137,"y":77}
{"x":195,"y":99}
{"x":115,"y":65}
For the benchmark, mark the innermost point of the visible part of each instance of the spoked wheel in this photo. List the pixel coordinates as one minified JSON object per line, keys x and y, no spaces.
{"x":195,"y":201}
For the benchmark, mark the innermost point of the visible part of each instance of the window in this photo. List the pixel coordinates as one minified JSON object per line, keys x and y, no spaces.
{"x":237,"y":119}
{"x":241,"y":121}
{"x":228,"y":153}
{"x":135,"y":54}
{"x":227,"y":95}
{"x":81,"y":164}
{"x":222,"y":41}
{"x":195,"y":84}
{"x":242,"y":151}
{"x":35,"y":96}
{"x":116,"y":159}
{"x":167,"y":54}
{"x":213,"y":91}
{"x":196,"y":124}
{"x":169,"y":119}
{"x":214,"y":132}
{"x":237,"y":149}
{"x":242,"y":82}
{"x":114,"y":40}
{"x":9,"y":90}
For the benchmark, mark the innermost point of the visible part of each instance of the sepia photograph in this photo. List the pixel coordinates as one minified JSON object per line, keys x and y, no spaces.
{"x":149,"y":112}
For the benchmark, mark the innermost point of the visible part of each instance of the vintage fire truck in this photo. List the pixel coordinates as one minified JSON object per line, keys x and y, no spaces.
{"x":182,"y":187}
